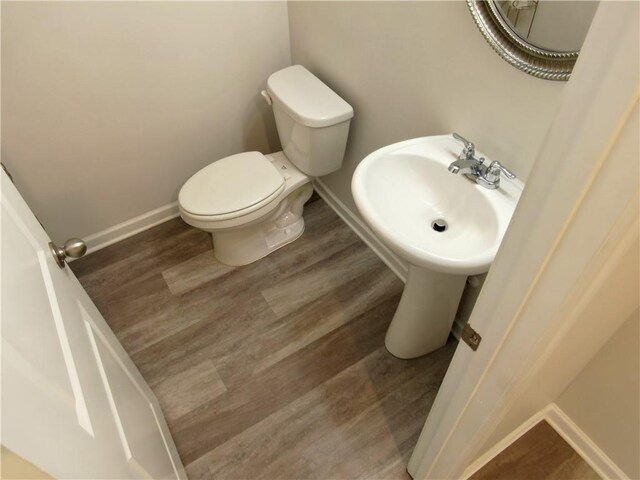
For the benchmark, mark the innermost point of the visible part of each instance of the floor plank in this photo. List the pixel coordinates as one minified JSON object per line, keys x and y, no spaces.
{"x":297,"y":290}
{"x":226,"y":416}
{"x":357,"y":410}
{"x":272,"y":370}
{"x":189,"y":389}
{"x":540,"y":454}
{"x":194,"y":272}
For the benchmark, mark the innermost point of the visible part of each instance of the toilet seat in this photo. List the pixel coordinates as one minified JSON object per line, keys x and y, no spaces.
{"x":231,"y":187}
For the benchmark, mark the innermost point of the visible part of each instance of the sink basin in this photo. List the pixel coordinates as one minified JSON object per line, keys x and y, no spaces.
{"x":444,"y":225}
{"x":401,"y":189}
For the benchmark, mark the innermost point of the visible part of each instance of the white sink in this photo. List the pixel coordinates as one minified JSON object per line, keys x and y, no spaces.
{"x":401,"y":190}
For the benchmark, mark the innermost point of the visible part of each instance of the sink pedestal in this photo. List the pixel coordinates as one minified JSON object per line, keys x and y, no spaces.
{"x":425,"y":314}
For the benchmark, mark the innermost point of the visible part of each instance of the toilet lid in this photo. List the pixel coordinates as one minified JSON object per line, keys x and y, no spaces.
{"x":245,"y":181}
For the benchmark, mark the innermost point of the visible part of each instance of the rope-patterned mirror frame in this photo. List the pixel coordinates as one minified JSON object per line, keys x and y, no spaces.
{"x":540,"y":63}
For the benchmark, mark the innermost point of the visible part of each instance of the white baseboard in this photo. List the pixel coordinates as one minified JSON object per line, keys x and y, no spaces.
{"x":396,"y":264}
{"x":504,"y":443}
{"x":569,"y":431}
{"x":129,"y":228}
{"x":150,"y":219}
{"x":582,"y":444}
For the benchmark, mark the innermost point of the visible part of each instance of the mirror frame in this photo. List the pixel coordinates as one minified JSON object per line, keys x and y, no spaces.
{"x":541,"y":63}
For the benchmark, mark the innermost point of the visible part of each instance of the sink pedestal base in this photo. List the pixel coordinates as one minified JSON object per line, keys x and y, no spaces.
{"x":425,"y":314}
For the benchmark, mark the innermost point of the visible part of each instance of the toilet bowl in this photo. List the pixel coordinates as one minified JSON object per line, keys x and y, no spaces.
{"x":251,"y":203}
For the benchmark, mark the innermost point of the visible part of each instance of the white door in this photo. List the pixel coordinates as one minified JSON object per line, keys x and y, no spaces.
{"x":73,"y":403}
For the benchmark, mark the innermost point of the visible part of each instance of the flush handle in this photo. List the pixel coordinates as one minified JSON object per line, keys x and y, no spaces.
{"x":73,"y":248}
{"x":267,"y":97}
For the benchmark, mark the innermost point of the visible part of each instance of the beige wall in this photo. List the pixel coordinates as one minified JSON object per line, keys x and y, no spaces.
{"x":14,"y":467}
{"x":411,"y":69}
{"x":107,"y":108}
{"x":604,"y":399}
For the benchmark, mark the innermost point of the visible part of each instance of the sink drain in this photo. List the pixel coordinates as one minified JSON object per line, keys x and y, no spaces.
{"x":439,"y":225}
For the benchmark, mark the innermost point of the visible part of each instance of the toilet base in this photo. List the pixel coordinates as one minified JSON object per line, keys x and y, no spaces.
{"x":243,"y":248}
{"x":245,"y":245}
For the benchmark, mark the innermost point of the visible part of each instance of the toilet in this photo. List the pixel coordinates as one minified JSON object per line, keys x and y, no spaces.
{"x":252,"y":203}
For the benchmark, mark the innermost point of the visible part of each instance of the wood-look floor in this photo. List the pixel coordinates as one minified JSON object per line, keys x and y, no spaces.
{"x":540,"y":454}
{"x":275,"y":370}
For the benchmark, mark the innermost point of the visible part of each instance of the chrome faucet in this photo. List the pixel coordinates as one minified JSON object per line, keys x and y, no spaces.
{"x":475,"y":169}
{"x":467,"y":162}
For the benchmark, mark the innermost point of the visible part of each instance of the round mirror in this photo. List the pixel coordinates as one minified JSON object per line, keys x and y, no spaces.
{"x":540,"y":37}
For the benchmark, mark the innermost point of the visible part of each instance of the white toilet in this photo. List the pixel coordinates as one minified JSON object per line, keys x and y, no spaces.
{"x":252,"y":203}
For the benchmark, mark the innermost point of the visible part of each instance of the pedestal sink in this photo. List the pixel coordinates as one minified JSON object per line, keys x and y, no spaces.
{"x":444,"y":225}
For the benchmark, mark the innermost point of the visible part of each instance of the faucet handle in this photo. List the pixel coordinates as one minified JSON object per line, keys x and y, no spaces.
{"x":460,"y":138}
{"x":496,"y":167}
{"x":469,"y":148}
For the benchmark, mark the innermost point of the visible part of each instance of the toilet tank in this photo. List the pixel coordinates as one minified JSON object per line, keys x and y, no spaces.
{"x":312,"y":120}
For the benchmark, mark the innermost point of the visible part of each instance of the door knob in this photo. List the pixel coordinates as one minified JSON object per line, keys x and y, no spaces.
{"x":74,"y":248}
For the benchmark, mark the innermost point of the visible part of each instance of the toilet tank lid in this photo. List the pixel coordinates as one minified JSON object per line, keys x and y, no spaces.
{"x":306,"y":98}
